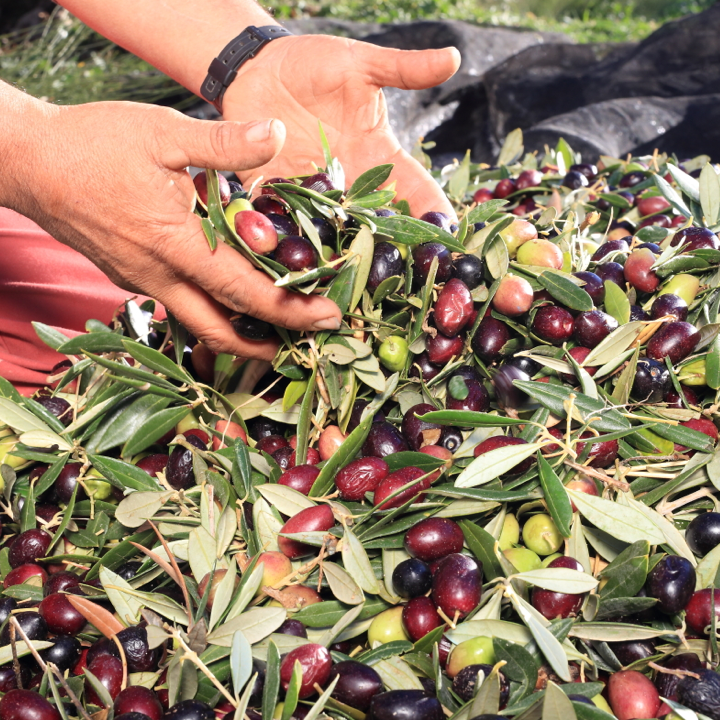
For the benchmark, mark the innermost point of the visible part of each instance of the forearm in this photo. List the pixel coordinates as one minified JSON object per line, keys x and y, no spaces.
{"x":179,"y":37}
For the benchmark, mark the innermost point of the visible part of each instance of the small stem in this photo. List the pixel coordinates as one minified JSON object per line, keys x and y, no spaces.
{"x":192,"y":656}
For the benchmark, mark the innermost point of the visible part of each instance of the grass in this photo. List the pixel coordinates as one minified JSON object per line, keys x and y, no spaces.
{"x":68,"y":63}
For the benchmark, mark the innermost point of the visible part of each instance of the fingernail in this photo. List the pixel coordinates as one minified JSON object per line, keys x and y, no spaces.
{"x":331,"y":323}
{"x":259,"y":131}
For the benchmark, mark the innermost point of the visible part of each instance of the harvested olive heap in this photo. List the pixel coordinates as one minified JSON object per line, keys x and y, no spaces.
{"x":491,"y":493}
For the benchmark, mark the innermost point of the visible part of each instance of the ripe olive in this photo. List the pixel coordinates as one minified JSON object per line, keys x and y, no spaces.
{"x":465,"y":681}
{"x":469,"y":269}
{"x":672,"y":582}
{"x":669,"y":304}
{"x":300,"y":478}
{"x":675,"y":340}
{"x":393,"y":482}
{"x":387,"y":262}
{"x":701,"y":694}
{"x":591,"y":328}
{"x":441,"y":349}
{"x":296,"y":253}
{"x":695,"y":238}
{"x":360,"y":476}
{"x":317,"y":518}
{"x":632,"y":695}
{"x":703,"y":533}
{"x":316,"y":663}
{"x":402,"y":705}
{"x":593,"y":286}
{"x":453,"y":308}
{"x":553,"y":324}
{"x":419,"y":432}
{"x":420,"y":617}
{"x":28,"y":546}
{"x":412,"y":578}
{"x":357,"y":686}
{"x":499,"y":441}
{"x":457,"y":584}
{"x":423,"y":255}
{"x":490,"y":339}
{"x":384,"y":439}
{"x":434,"y":538}
{"x":652,"y":378}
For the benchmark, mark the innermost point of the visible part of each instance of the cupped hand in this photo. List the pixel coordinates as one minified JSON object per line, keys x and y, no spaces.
{"x":301,"y":79}
{"x":110,"y":180}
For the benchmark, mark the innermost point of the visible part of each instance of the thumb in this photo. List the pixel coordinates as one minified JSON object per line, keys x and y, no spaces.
{"x":221,"y":145}
{"x":408,"y":69}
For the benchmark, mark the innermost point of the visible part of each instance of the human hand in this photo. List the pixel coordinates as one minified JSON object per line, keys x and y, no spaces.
{"x":338,"y":81}
{"x":110,"y":180}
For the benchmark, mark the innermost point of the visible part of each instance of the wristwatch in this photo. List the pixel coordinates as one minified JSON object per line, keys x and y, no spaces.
{"x":223,"y":69}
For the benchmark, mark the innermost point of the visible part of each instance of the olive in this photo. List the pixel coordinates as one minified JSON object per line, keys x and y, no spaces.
{"x":490,"y":339}
{"x":514,"y":296}
{"x":423,"y":255}
{"x":325,"y":230}
{"x":312,"y":519}
{"x":451,"y":438}
{"x":320,"y":182}
{"x":574,"y":180}
{"x":476,"y":399}
{"x":361,"y":476}
{"x":465,"y":681}
{"x":315,"y":662}
{"x":457,"y":585}
{"x":454,"y":308}
{"x":189,"y":710}
{"x":553,"y":324}
{"x":251,"y":328}
{"x":593,"y":286}
{"x":394,"y":481}
{"x":701,"y":693}
{"x":611,"y":272}
{"x":412,"y":578}
{"x":404,"y":705}
{"x":179,"y":471}
{"x":667,"y":683}
{"x":699,"y":611}
{"x":382,"y":440}
{"x":29,"y":705}
{"x":439,"y":219}
{"x":540,"y":534}
{"x":419,"y":432}
{"x":703,"y":533}
{"x":32,"y":624}
{"x":58,"y":407}
{"x":434,"y":538}
{"x":695,"y":238}
{"x":632,"y":695}
{"x":420,"y":617}
{"x":652,"y":378}
{"x":631,"y":651}
{"x":357,"y":412}
{"x":591,"y":328}
{"x":672,"y":582}
{"x":477,"y":650}
{"x":422,"y":367}
{"x":357,"y":686}
{"x":441,"y":349}
{"x":386,"y":263}
{"x":675,"y":340}
{"x":469,"y":269}
{"x":499,"y":441}
{"x":612,"y":247}
{"x":296,"y":253}
{"x":387,"y":627}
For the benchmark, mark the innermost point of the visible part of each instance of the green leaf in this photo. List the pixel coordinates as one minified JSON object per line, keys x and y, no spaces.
{"x":363,"y":245}
{"x":670,"y":194}
{"x":241,"y":661}
{"x":616,"y":343}
{"x":564,"y":580}
{"x":625,"y":523}
{"x":564,"y":151}
{"x":615,"y":632}
{"x":28,"y":520}
{"x":521,"y":666}
{"x":370,"y":180}
{"x":616,"y":303}
{"x":556,"y":498}
{"x":410,"y":231}
{"x":496,"y":256}
{"x":495,"y":463}
{"x":485,"y":211}
{"x":627,"y":573}
{"x":566,"y":292}
{"x":557,"y":704}
{"x":482,"y":545}
{"x":512,"y":148}
{"x":156,"y":361}
{"x":396,"y":647}
{"x":469,"y":418}
{"x":52,"y":337}
{"x":210,"y":234}
{"x":685,"y":436}
{"x":342,"y":585}
{"x":357,"y":563}
{"x":272,"y":682}
{"x":93,"y":342}
{"x":123,"y":475}
{"x":623,"y":606}
{"x":153,"y":429}
{"x":712,"y":365}
{"x":303,"y":425}
{"x":554,"y":397}
{"x":328,"y":612}
{"x":621,"y":391}
{"x":687,"y":183}
{"x":487,"y":696}
{"x":292,"y":693}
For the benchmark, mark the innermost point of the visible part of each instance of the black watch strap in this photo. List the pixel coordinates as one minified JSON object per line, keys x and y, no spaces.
{"x":223,"y":69}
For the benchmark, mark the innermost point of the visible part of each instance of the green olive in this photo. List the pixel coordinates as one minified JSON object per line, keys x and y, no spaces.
{"x":477,"y":651}
{"x":234,"y":208}
{"x":694,"y":373}
{"x":510,"y":533}
{"x":546,"y":561}
{"x":541,"y":535}
{"x":522,"y":559}
{"x":387,"y":627}
{"x":393,"y":353}
{"x":683,"y":285}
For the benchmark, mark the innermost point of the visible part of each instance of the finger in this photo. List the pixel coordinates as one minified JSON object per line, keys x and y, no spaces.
{"x":222,"y":145}
{"x":407,"y":69}
{"x":415,"y":184}
{"x":231,"y":280}
{"x":209,"y":322}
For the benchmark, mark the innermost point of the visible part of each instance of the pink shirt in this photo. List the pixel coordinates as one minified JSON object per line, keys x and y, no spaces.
{"x":43,"y":280}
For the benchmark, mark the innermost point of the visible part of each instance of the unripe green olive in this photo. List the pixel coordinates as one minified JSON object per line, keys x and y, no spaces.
{"x":522,"y":559}
{"x":510,"y":533}
{"x":546,"y":561}
{"x":694,"y":373}
{"x":387,"y":627}
{"x":236,"y":206}
{"x":541,"y":535}
{"x":477,"y":651}
{"x":683,"y":285}
{"x":393,"y":353}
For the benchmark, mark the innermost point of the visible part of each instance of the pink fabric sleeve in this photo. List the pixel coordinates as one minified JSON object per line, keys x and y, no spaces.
{"x":43,"y":280}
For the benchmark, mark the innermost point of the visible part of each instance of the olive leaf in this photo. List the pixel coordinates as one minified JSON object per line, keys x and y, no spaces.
{"x":563,"y":580}
{"x":492,"y":464}
{"x":139,"y":507}
{"x":287,"y":500}
{"x":556,"y":704}
{"x":615,"y":343}
{"x":556,"y":498}
{"x":616,"y":303}
{"x":255,"y":624}
{"x":357,"y":563}
{"x":342,"y":586}
{"x":241,"y":663}
{"x":615,"y":632}
{"x":565,"y":291}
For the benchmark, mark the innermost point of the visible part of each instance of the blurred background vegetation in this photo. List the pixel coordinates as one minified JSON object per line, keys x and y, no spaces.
{"x":63,"y":61}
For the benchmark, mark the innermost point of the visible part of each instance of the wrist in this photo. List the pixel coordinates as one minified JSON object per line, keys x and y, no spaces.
{"x":23,"y":127}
